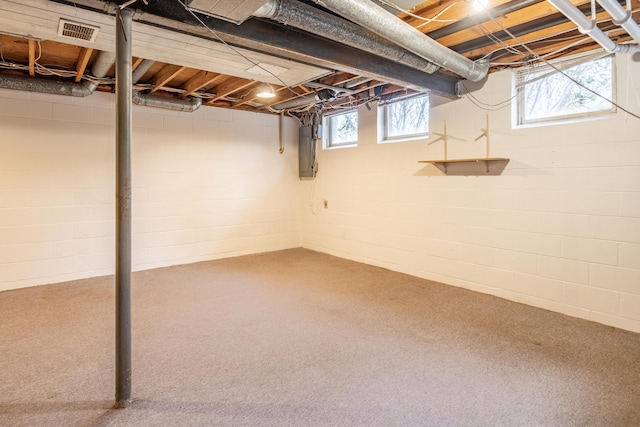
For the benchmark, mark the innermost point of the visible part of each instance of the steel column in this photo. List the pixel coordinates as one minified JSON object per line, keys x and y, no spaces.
{"x":123,"y":207}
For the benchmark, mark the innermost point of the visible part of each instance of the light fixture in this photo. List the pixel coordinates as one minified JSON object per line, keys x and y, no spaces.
{"x":479,"y":5}
{"x":265,"y":91}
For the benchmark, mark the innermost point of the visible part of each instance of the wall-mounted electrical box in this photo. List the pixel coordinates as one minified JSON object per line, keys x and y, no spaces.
{"x":309,"y":137}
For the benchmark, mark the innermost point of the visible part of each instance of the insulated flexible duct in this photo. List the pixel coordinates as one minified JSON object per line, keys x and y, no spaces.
{"x":101,"y":66}
{"x":187,"y":105}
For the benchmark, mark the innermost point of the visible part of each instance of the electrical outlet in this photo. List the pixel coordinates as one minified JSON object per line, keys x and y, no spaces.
{"x":326,"y":204}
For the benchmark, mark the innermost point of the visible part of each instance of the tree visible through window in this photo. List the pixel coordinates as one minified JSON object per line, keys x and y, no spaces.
{"x":552,"y":95}
{"x":342,"y":130}
{"x":405,"y":119}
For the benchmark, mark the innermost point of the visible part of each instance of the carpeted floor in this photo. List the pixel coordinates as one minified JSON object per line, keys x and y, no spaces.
{"x":299,"y":338}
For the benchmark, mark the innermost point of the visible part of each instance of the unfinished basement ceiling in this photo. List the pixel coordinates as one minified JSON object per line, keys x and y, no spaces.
{"x":184,"y":50}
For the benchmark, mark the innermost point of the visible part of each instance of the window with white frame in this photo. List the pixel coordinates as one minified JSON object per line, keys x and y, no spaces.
{"x":341,"y":130}
{"x":569,"y":90}
{"x":405,"y":119}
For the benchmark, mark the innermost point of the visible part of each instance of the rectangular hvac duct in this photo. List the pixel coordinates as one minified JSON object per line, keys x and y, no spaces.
{"x":236,"y":11}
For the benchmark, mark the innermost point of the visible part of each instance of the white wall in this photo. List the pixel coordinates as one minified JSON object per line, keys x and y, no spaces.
{"x":206,"y":185}
{"x":560,"y":229}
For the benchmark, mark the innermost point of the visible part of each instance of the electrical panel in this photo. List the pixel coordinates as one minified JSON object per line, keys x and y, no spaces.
{"x":309,"y":137}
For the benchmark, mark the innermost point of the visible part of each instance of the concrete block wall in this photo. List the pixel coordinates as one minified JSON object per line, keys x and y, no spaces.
{"x":206,"y":185}
{"x":560,"y":229}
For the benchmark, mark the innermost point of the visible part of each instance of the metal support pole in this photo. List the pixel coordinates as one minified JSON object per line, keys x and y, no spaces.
{"x":123,"y":207}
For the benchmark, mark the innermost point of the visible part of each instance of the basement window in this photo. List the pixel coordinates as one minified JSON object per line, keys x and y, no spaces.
{"x":405,"y":119}
{"x":341,"y":130}
{"x":566,"y":91}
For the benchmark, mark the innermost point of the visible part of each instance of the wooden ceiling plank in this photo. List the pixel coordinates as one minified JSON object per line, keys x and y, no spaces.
{"x":528,"y":14}
{"x":32,"y":57}
{"x":165,"y":75}
{"x":81,"y":63}
{"x":200,"y":80}
{"x":540,"y":35}
{"x":537,"y":35}
{"x":588,"y":45}
{"x":452,"y":11}
{"x":428,"y":10}
{"x":337,"y":79}
{"x":229,"y":87}
{"x":304,"y":89}
{"x":136,"y":63}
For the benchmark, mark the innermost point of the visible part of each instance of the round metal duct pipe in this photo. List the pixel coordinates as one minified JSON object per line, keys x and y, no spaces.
{"x":383,"y":23}
{"x":54,"y":87}
{"x":312,"y":20}
{"x":188,"y":105}
{"x":141,"y":70}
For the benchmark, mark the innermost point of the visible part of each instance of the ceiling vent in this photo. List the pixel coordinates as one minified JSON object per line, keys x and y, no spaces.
{"x":77,"y":31}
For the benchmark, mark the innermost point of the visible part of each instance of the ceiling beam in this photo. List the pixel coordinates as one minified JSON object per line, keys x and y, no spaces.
{"x":165,"y":75}
{"x":338,"y":79}
{"x":136,"y":63}
{"x":539,"y":10}
{"x":200,"y":80}
{"x":432,"y":9}
{"x":565,"y":28}
{"x":519,"y":30}
{"x":618,"y":35}
{"x":32,"y":57}
{"x":496,"y":11}
{"x":274,"y":39}
{"x":81,"y":63}
{"x":229,"y":87}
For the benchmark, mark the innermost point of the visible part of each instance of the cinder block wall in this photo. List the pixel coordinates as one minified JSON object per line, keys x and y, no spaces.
{"x":560,"y":229}
{"x":206,"y":185}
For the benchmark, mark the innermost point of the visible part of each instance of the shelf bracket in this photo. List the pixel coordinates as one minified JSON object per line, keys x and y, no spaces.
{"x":441,"y":137}
{"x":485,"y":134}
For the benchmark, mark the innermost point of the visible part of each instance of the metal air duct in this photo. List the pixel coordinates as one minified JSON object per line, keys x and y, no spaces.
{"x":100,"y":68}
{"x":383,"y":23}
{"x":103,"y":63}
{"x":315,"y":21}
{"x":188,"y":105}
{"x":141,"y":70}
{"x":55,"y":87}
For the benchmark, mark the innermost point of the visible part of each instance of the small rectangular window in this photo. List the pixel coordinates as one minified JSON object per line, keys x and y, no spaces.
{"x":406,"y":119}
{"x":341,"y":130}
{"x":582,"y":88}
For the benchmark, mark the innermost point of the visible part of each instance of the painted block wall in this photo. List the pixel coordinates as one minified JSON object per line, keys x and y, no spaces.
{"x":206,"y":185}
{"x":560,"y":229}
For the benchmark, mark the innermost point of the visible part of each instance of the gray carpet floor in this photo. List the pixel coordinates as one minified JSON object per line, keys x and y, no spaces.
{"x":299,"y":338}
